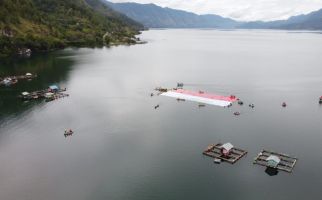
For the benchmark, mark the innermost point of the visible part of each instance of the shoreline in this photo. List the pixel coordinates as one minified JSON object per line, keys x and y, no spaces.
{"x":134,"y":40}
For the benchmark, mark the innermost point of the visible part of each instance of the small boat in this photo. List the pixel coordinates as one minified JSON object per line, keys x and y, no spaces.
{"x":240,"y":102}
{"x":9,"y":81}
{"x":237,"y":113}
{"x":284,"y":104}
{"x":251,"y":105}
{"x":179,"y":99}
{"x":217,"y":160}
{"x":68,"y":132}
{"x":320,"y":100}
{"x":201,"y":105}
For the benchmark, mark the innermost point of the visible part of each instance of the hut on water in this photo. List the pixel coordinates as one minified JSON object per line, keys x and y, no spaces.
{"x":53,"y":88}
{"x":273,"y":161}
{"x":226,"y":149}
{"x":25,"y":93}
{"x":28,"y":75}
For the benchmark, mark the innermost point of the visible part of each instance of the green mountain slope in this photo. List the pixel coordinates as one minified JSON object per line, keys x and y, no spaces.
{"x":43,"y":25}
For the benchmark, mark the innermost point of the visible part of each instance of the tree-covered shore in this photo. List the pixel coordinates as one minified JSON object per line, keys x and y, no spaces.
{"x":43,"y":25}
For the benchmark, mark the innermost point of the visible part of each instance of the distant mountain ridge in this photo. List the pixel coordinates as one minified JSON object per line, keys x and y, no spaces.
{"x":311,"y":21}
{"x":153,"y":16}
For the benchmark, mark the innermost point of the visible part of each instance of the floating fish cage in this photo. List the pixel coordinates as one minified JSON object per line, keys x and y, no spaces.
{"x":215,"y":151}
{"x":10,"y":80}
{"x":47,"y":94}
{"x":275,"y":160}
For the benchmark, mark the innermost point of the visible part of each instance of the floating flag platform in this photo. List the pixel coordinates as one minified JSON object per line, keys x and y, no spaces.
{"x":201,"y":97}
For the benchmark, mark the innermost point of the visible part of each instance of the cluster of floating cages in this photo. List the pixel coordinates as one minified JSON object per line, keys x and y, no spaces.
{"x":11,"y":80}
{"x":272,"y":160}
{"x":50,"y":94}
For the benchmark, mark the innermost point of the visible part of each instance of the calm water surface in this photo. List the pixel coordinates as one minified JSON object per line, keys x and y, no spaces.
{"x":125,"y":149}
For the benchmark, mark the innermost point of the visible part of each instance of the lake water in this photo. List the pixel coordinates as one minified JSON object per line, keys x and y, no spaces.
{"x":123,"y":148}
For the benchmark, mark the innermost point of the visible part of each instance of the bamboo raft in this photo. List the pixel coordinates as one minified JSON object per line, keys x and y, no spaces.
{"x":286,"y":164}
{"x":214,"y":151}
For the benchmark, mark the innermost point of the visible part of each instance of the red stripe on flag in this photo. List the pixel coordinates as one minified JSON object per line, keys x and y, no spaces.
{"x":206,"y":95}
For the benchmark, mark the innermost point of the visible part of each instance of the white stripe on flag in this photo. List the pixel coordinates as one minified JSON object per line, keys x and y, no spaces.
{"x":215,"y":102}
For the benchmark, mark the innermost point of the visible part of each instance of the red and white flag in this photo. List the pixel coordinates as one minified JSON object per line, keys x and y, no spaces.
{"x":201,"y":97}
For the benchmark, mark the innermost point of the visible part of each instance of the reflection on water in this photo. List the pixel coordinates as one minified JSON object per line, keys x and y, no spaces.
{"x":271,"y":171}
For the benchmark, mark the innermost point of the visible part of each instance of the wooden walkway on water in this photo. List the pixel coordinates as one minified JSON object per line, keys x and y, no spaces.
{"x":286,"y":164}
{"x":214,"y":151}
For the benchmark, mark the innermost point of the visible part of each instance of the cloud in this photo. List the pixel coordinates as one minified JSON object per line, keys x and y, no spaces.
{"x":246,"y":10}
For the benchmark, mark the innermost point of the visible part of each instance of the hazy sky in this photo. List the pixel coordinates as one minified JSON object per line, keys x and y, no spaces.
{"x":247,"y":10}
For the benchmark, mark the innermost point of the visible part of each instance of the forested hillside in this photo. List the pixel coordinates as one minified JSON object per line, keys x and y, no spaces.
{"x":43,"y":25}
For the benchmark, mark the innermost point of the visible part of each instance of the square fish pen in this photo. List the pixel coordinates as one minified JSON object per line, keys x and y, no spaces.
{"x":215,"y":151}
{"x":285,"y":162}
